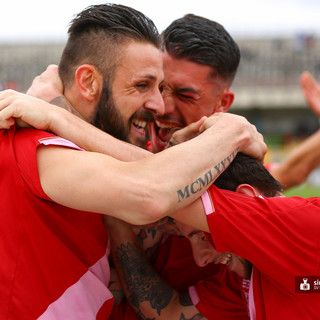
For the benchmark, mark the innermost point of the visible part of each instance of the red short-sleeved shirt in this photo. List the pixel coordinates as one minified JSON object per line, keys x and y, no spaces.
{"x":54,"y":262}
{"x":280,"y":237}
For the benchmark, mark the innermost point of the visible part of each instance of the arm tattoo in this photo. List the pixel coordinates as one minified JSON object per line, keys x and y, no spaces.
{"x":185,"y":299}
{"x":62,"y":102}
{"x":142,"y":282}
{"x":166,"y":224}
{"x":209,"y":177}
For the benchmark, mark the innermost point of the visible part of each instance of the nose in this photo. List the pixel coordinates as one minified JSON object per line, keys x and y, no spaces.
{"x":168,"y":101}
{"x":155,"y":104}
{"x":203,"y":257}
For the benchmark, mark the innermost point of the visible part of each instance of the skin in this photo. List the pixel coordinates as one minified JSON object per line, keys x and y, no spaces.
{"x":305,"y":157}
{"x":189,"y":93}
{"x":204,"y":253}
{"x":136,"y":88}
{"x":136,"y":96}
{"x":311,"y":91}
{"x":135,"y":91}
{"x":62,"y":166}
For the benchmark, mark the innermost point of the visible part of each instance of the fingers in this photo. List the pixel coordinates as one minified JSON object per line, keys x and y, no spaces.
{"x":47,"y":85}
{"x":311,"y":90}
{"x":186,"y":133}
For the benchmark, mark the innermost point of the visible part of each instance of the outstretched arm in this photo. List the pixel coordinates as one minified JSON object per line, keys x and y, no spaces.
{"x":151,"y":189}
{"x":149,"y":295}
{"x":300,"y":162}
{"x":21,"y":108}
{"x":14,"y":106}
{"x":305,"y":157}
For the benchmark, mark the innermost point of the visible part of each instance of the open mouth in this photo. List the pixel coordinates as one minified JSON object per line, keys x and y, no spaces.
{"x":140,"y":125}
{"x":226,"y":258}
{"x":166,"y":129}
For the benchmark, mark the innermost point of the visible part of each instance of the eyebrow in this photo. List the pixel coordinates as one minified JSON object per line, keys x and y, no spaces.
{"x":151,"y":77}
{"x":187,"y":90}
{"x":194,"y":232}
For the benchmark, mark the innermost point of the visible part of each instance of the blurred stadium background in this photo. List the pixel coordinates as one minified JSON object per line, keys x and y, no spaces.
{"x":267,"y":87}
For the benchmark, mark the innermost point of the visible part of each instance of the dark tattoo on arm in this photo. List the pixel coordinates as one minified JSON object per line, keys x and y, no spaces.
{"x":142,"y":282}
{"x":62,"y":102}
{"x":185,"y":299}
{"x":209,"y":177}
{"x":166,"y":224}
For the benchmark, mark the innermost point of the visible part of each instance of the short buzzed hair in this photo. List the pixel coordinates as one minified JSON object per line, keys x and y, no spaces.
{"x":244,"y":169}
{"x":97,"y":34}
{"x":203,"y":41}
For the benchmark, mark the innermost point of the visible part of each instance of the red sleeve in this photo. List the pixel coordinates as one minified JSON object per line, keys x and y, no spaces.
{"x":26,"y":142}
{"x":279,"y":236}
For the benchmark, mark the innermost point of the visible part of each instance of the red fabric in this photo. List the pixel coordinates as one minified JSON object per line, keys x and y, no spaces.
{"x":45,"y":248}
{"x":280,"y":237}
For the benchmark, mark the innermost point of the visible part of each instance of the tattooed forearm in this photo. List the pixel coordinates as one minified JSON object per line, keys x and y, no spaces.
{"x":142,"y":282}
{"x":209,"y":177}
{"x":166,"y":224}
{"x":185,"y":299}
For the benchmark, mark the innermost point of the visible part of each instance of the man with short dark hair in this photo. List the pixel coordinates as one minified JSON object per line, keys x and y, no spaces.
{"x":200,"y":61}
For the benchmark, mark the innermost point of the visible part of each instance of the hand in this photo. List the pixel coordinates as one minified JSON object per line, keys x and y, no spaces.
{"x":48,"y":85}
{"x":252,"y":143}
{"x":311,"y":90}
{"x":186,"y":133}
{"x":25,"y":110}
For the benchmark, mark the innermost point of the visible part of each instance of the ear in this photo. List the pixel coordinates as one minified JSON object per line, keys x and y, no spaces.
{"x":247,"y":189}
{"x":226,"y":101}
{"x":89,"y":81}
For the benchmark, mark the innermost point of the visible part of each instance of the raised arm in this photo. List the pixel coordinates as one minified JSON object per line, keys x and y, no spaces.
{"x":305,"y":157}
{"x":21,"y":108}
{"x":14,"y":106}
{"x":299,"y":163}
{"x":143,"y":191}
{"x":311,"y":91}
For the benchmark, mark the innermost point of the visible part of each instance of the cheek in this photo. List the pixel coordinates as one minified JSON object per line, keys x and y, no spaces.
{"x":192,"y":113}
{"x":127,"y":106}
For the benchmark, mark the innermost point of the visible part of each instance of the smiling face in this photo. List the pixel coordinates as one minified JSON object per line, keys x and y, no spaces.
{"x":136,"y":89}
{"x":190,"y":92}
{"x":204,"y":253}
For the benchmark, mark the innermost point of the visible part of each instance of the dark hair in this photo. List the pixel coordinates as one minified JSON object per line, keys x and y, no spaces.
{"x":244,"y":169}
{"x":203,"y":41}
{"x":96,"y":34}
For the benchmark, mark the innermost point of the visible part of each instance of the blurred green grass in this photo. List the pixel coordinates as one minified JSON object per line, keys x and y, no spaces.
{"x":305,"y":190}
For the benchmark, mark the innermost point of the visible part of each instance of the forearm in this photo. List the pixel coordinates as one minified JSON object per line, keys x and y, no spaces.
{"x":149,"y":295}
{"x":42,"y":115}
{"x":201,"y":161}
{"x":297,"y":166}
{"x":88,"y":137}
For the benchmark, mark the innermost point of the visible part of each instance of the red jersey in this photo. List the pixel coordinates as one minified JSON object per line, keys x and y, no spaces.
{"x":215,"y":291}
{"x":54,"y":260}
{"x":280,"y":237}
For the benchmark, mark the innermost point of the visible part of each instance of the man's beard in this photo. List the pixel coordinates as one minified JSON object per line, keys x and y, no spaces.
{"x":108,"y":118}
